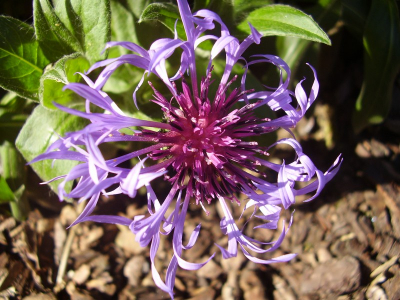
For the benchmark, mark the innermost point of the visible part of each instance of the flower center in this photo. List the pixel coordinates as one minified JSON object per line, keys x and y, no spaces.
{"x":205,"y":144}
{"x":201,"y":141}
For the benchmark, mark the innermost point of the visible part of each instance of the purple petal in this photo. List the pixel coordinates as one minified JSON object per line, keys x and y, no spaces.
{"x":282,"y":258}
{"x":156,"y":276}
{"x":129,"y":184}
{"x":187,"y":19}
{"x":90,"y":206}
{"x":108,"y":219}
{"x":130,"y":46}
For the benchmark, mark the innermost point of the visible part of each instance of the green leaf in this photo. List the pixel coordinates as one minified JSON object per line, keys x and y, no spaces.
{"x":284,"y":20}
{"x":293,"y":49}
{"x":21,"y":59}
{"x":124,"y":79}
{"x":123,"y":27}
{"x":66,"y":12}
{"x":10,"y":125}
{"x":42,"y":129}
{"x":12,"y":116}
{"x":12,"y":103}
{"x":6,"y":194}
{"x":381,"y":64}
{"x":244,"y":7}
{"x":55,"y":39}
{"x":57,"y":76}
{"x":73,"y":26}
{"x":167,"y":14}
{"x":138,"y":6}
{"x":12,"y":166}
{"x":12,"y":181}
{"x":20,"y":208}
{"x":95,"y":17}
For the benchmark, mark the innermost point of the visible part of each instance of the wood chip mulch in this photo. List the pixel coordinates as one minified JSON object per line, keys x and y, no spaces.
{"x":348,"y":245}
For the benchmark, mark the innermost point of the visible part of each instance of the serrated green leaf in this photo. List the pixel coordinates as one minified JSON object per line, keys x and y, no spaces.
{"x":73,"y":26}
{"x":6,"y":194}
{"x":381,"y":63}
{"x":21,"y":59}
{"x":42,"y":129}
{"x":283,"y":20}
{"x":57,"y":76}
{"x":167,"y":14}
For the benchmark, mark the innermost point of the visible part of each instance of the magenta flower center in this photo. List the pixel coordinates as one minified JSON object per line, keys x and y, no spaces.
{"x":205,"y":148}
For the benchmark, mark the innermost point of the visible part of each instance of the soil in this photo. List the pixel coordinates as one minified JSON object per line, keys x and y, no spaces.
{"x":347,"y":242}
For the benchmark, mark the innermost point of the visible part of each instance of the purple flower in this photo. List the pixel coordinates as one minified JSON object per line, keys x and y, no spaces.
{"x":205,"y":149}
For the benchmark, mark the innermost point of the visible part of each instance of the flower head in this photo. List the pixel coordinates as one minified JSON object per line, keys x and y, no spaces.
{"x":205,"y":149}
